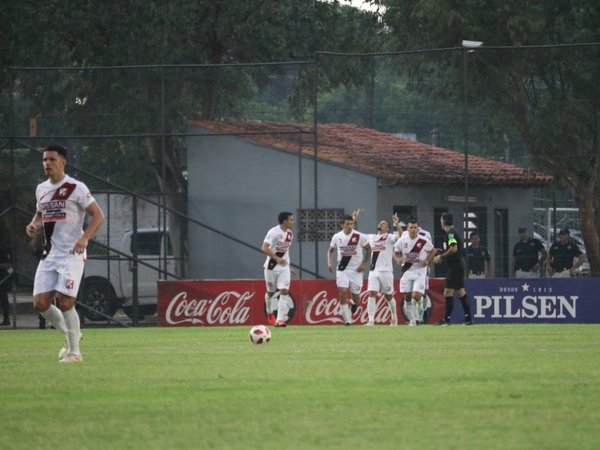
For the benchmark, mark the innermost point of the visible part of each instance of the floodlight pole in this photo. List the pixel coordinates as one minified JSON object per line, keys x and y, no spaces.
{"x":466,"y":45}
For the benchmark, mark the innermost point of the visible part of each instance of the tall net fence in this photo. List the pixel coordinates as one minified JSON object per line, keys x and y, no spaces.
{"x":160,"y":148}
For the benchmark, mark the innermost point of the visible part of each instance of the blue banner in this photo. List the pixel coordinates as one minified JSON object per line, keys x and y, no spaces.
{"x":532,"y":300}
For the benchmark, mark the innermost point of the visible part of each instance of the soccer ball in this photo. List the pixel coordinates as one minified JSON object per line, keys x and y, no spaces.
{"x":260,"y":334}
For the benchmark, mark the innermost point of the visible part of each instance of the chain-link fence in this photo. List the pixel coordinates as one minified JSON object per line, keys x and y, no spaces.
{"x":140,"y":136}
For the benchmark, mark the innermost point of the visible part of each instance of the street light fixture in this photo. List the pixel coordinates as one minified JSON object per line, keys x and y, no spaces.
{"x":468,"y":47}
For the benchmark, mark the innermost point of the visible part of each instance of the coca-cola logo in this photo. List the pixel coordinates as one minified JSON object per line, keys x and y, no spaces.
{"x":324,"y":310}
{"x":227,"y":308}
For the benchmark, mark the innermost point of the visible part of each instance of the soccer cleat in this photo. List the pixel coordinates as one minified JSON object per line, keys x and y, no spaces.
{"x":412,"y":323}
{"x":280,"y":323}
{"x":353,"y":307}
{"x":370,"y":323}
{"x":347,"y":324}
{"x":65,"y":348}
{"x":468,"y":322}
{"x":271,"y":319}
{"x":71,"y":358}
{"x":444,"y":323}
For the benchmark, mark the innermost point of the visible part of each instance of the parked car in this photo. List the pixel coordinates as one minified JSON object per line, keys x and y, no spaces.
{"x":108,"y":279}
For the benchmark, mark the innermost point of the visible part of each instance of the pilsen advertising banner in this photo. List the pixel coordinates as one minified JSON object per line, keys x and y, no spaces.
{"x":241,"y":302}
{"x":538,"y":300}
{"x":314,"y":302}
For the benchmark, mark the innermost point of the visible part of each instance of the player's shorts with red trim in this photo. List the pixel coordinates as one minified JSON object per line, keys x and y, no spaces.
{"x":277,"y":279}
{"x":59,"y":274}
{"x":381,"y":282}
{"x":413,"y":281}
{"x":349,"y":278}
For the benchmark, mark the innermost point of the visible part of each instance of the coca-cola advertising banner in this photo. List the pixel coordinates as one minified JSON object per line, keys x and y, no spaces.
{"x":242,"y":302}
{"x":536,"y":300}
{"x":314,"y":302}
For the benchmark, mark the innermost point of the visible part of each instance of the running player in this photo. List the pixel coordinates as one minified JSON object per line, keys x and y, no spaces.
{"x":381,"y":275}
{"x":352,"y":260}
{"x":276,"y":246}
{"x":415,"y":252}
{"x":62,"y":203}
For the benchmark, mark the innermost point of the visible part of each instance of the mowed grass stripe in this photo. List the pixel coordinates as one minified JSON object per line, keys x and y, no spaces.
{"x":487,"y":386}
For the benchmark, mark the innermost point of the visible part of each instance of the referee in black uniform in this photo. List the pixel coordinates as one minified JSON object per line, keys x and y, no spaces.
{"x":478,"y":258}
{"x":452,"y":255}
{"x":561,"y":256}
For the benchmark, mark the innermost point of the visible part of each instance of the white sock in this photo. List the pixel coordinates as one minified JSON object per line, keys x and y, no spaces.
{"x":413,"y":309}
{"x":346,"y":313}
{"x":282,"y":307}
{"x":56,"y":319}
{"x":392,"y":303}
{"x":73,"y":330}
{"x":269,"y":303}
{"x":371,"y":308}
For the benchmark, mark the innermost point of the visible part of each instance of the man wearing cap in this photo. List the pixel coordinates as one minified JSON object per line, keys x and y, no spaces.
{"x":526,"y":256}
{"x":562,"y":253}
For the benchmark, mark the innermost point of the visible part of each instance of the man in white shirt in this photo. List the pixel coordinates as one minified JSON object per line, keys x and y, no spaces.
{"x":381,"y":274}
{"x":62,"y":203}
{"x":351,"y":263}
{"x":415,"y":252}
{"x":276,"y":246}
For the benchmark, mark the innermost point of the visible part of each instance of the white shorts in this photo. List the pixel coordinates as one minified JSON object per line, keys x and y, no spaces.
{"x":61,"y":275}
{"x":349,"y":279}
{"x":277,"y":279}
{"x":413,"y":281}
{"x":381,"y":282}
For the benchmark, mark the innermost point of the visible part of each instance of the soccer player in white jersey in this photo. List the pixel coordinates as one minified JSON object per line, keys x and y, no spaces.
{"x":415,"y":252}
{"x":381,"y":275}
{"x":420,"y":305}
{"x":62,"y":203}
{"x":351,"y":262}
{"x":276,"y":246}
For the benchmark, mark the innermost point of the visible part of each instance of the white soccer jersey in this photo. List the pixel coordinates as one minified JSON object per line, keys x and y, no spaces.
{"x":349,"y":249}
{"x":413,"y":250}
{"x":62,"y":206}
{"x":279,"y":242}
{"x":382,"y":246}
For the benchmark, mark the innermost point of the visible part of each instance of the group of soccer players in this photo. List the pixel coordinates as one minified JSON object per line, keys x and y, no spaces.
{"x":412,"y":248}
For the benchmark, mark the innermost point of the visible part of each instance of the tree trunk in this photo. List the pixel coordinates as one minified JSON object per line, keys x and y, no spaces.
{"x":589,"y":230}
{"x":173,"y":186}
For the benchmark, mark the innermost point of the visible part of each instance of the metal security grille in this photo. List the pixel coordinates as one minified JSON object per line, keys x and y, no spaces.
{"x":319,"y":224}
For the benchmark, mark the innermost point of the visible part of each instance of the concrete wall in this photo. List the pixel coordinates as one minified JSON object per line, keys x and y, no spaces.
{"x":238,"y":187}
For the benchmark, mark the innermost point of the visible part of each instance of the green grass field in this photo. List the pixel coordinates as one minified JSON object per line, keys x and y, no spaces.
{"x":481,"y":387}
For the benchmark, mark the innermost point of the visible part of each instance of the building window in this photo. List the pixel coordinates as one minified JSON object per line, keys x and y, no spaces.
{"x":319,"y":224}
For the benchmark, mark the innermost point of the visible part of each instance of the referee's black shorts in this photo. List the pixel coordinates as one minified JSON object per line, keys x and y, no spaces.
{"x":455,"y":277}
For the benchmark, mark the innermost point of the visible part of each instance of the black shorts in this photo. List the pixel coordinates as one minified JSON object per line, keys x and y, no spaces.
{"x":455,"y":277}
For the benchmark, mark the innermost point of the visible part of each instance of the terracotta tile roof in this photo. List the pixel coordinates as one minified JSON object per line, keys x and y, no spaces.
{"x":395,"y":159}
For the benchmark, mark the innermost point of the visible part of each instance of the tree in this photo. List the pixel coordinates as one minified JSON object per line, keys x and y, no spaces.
{"x":552,"y":95}
{"x":155,"y":103}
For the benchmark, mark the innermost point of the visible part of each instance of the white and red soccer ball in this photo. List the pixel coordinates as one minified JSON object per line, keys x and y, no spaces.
{"x":260,"y":334}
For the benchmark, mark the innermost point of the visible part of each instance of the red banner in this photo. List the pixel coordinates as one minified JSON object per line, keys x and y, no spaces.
{"x":241,"y":302}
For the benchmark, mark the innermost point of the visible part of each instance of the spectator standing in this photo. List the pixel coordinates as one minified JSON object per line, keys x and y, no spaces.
{"x":562,"y":254}
{"x":529,"y":255}
{"x":480,"y":262}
